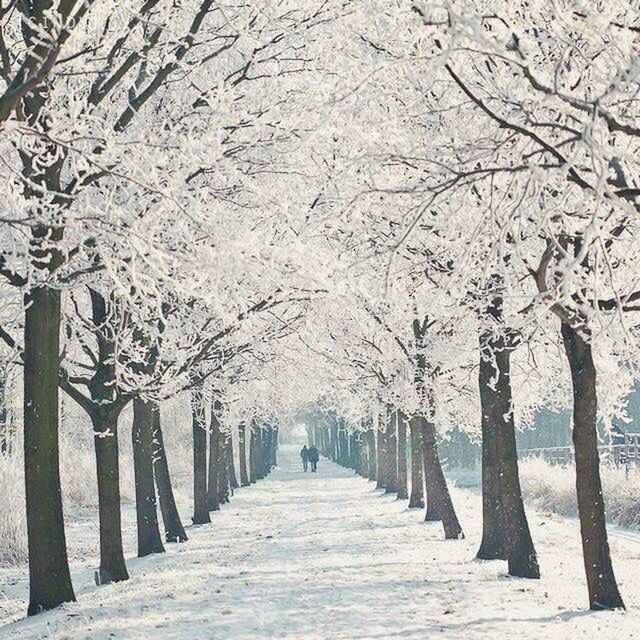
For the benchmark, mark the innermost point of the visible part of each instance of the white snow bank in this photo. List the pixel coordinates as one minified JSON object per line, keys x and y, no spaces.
{"x":552,"y":488}
{"x":79,"y":488}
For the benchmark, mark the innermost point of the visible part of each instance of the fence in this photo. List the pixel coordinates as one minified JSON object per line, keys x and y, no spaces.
{"x":623,"y":453}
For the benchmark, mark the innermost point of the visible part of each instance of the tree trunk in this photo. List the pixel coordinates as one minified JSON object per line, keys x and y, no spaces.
{"x":403,"y":493}
{"x":343,"y":447}
{"x":364,"y":457}
{"x":274,"y":448}
{"x":437,"y":490}
{"x":254,"y":444}
{"x":603,"y":590}
{"x":200,"y":505}
{"x":264,"y":460}
{"x":416,"y":501}
{"x":381,"y":452}
{"x":334,"y":442}
{"x":493,"y":545}
{"x":49,"y":577}
{"x":149,"y":540}
{"x":430,"y":480}
{"x":214,"y":446}
{"x":242,"y":445}
{"x":521,"y":554}
{"x":173,"y":529}
{"x":104,"y":414}
{"x":326,"y":442}
{"x":371,"y":452}
{"x":231,"y":464}
{"x":105,"y":440}
{"x":223,"y":473}
{"x":392,"y":453}
{"x":4,"y":425}
{"x":354,"y":453}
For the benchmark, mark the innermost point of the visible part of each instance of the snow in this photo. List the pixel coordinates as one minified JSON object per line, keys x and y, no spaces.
{"x":327,"y":556}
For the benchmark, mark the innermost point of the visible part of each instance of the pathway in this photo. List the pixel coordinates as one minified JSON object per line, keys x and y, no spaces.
{"x":326,"y":556}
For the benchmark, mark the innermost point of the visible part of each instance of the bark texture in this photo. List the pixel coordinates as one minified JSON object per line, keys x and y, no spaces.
{"x":105,"y":439}
{"x":173,"y":529}
{"x":242,"y":445}
{"x":601,"y":582}
{"x":403,"y":493}
{"x":49,"y":577}
{"x":149,"y":540}
{"x":200,"y":506}
{"x":416,"y":500}
{"x":437,"y":490}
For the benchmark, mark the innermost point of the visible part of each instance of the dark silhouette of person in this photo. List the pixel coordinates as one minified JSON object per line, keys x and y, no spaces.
{"x":304,"y":454}
{"x":314,"y":456}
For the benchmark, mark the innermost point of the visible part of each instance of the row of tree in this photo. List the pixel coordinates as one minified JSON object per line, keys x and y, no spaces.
{"x":428,"y":206}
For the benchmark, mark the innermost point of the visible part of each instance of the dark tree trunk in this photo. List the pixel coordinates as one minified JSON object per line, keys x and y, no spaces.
{"x":200,"y":505}
{"x":363,"y":447}
{"x":354,"y":453}
{"x":416,"y":501}
{"x":214,"y":455}
{"x":256,"y":473}
{"x":521,"y":554}
{"x":334,"y":441}
{"x":4,"y":425}
{"x":231,"y":464}
{"x":264,"y":463}
{"x":430,"y":480}
{"x":493,"y":545}
{"x":149,"y":540}
{"x":439,"y":505}
{"x":437,"y":490}
{"x":223,"y":472}
{"x":105,"y":440}
{"x":242,"y":451}
{"x":381,"y":450}
{"x":603,"y":590}
{"x":254,"y":445}
{"x":403,"y":493}
{"x":267,"y":439}
{"x":173,"y":529}
{"x":371,"y":452}
{"x":274,"y":448}
{"x":326,"y":442}
{"x":49,"y":577}
{"x":104,"y":413}
{"x":343,"y":447}
{"x":391,"y":453}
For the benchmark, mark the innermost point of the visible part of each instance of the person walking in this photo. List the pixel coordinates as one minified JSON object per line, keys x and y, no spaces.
{"x":314,"y":456}
{"x":304,"y":454}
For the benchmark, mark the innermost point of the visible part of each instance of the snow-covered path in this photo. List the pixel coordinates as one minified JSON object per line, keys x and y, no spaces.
{"x":321,"y":556}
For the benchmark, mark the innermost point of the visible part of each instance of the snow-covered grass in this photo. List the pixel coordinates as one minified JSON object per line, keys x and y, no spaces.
{"x":79,"y":490}
{"x":551,"y":488}
{"x":13,"y":539}
{"x":79,"y":485}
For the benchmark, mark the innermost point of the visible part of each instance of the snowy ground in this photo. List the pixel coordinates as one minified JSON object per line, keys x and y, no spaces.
{"x":326,"y":556}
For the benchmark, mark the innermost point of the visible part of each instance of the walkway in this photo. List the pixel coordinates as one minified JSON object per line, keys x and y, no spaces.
{"x":325,"y":556}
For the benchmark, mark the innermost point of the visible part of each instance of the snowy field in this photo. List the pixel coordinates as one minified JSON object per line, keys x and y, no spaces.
{"x":327,"y":556}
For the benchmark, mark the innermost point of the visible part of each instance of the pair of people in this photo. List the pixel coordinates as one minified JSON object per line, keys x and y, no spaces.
{"x":310,"y":455}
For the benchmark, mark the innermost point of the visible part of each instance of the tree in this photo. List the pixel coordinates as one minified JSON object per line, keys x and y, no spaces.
{"x":149,"y":540}
{"x":402,"y":456}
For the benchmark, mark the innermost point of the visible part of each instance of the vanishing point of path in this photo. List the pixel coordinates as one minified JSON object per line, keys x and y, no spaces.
{"x":326,"y":556}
